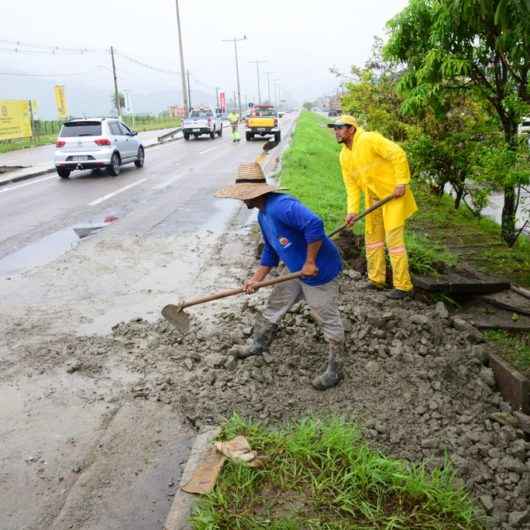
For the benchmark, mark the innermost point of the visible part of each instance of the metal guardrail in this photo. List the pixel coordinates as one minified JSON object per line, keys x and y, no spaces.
{"x":170,"y":134}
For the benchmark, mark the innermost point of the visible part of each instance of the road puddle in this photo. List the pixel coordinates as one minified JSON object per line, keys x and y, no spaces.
{"x":48,"y":248}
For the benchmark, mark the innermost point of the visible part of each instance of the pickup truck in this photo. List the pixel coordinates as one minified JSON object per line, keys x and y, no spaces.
{"x":263,"y":121}
{"x":202,"y":121}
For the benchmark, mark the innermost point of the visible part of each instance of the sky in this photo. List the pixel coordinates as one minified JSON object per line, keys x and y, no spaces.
{"x":299,"y":40}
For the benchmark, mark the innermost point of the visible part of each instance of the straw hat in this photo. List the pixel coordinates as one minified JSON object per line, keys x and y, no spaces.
{"x":250,"y":183}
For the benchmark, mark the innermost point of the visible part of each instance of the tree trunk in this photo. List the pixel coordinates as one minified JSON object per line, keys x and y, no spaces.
{"x":509,"y":208}
{"x":508,"y":215}
{"x":458,"y":197}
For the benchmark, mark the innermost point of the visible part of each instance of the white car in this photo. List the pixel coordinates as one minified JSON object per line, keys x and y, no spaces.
{"x":202,"y":121}
{"x":95,"y":144}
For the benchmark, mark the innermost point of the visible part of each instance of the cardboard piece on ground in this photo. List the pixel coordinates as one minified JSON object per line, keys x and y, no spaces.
{"x":205,"y":475}
{"x":237,"y":449}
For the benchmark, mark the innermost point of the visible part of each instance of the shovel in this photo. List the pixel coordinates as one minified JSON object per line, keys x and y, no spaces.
{"x":175,"y":314}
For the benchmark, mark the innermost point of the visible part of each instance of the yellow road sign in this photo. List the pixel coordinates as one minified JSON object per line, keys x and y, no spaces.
{"x":15,"y":119}
{"x":60,"y":102}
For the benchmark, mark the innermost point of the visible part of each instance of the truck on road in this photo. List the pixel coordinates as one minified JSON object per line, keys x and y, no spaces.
{"x":202,"y":121}
{"x":263,"y":121}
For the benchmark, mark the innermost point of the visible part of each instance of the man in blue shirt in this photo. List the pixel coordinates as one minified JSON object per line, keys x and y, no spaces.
{"x":295,"y":235}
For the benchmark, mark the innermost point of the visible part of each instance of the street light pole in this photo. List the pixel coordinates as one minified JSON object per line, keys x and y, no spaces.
{"x":235,"y":40}
{"x":182,"y":67}
{"x":269,"y":85}
{"x":189,"y":91}
{"x":257,"y":63}
{"x":117,"y":101}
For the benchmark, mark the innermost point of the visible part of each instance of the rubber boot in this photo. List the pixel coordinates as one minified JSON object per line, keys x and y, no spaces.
{"x":332,"y":375}
{"x":262,"y":336}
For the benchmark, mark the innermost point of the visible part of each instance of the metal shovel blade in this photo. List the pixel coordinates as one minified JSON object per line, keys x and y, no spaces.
{"x":177,"y":316}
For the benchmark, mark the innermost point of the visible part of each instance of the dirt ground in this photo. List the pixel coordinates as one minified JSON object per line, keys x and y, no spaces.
{"x":414,"y":377}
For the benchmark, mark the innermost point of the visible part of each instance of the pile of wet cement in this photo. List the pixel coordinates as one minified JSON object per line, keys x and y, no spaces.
{"x":414,"y":378}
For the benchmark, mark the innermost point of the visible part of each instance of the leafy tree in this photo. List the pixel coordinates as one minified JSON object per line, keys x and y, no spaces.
{"x":476,"y":46}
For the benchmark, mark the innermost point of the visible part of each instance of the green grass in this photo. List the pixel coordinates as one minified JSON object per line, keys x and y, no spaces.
{"x":438,"y":236}
{"x":515,"y":348}
{"x":141,"y":125}
{"x":321,"y":475}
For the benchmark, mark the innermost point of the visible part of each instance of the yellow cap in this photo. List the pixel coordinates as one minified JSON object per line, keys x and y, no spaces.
{"x":345,"y":119}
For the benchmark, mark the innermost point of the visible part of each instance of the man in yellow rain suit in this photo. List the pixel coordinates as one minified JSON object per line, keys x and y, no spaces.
{"x":378,"y":167}
{"x":233,"y":119}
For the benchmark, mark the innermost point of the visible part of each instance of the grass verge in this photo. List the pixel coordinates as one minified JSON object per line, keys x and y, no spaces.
{"x":438,"y":236}
{"x":321,"y":475}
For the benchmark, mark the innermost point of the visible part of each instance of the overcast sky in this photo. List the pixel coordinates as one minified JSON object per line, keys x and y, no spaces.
{"x":300,"y":39}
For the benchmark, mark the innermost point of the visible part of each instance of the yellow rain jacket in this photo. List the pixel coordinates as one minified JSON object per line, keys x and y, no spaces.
{"x":377,"y":164}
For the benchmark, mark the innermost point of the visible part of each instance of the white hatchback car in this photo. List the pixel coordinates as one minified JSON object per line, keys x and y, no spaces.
{"x":95,"y":144}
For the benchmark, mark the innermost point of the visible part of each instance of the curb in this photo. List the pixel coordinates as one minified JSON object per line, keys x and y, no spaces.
{"x":514,"y":387}
{"x":181,"y":508}
{"x":40,"y":172}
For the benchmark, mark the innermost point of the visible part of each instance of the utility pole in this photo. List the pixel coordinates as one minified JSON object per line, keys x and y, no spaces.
{"x":185,"y":94}
{"x":257,"y":63}
{"x":189,"y":92}
{"x":269,"y":86}
{"x":235,"y":40}
{"x":117,"y":101}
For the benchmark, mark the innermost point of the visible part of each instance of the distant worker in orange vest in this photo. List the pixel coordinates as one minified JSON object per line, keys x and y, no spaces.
{"x":378,"y":167}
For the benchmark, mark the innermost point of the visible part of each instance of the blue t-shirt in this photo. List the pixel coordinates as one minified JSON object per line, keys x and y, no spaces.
{"x":288,"y":227}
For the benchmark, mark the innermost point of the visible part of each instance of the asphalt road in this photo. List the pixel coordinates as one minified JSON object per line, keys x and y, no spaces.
{"x":176,"y":183}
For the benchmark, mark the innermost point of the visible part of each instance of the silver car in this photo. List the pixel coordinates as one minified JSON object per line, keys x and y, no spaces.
{"x":95,"y":144}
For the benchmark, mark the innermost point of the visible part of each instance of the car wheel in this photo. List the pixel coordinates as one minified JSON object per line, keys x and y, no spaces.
{"x":220,"y":131}
{"x":114,"y":168}
{"x":63,"y":172}
{"x":212,"y":134}
{"x":186,"y":136}
{"x":140,"y":158}
{"x":248,"y":136}
{"x":277,"y":137}
{"x":196,"y":136}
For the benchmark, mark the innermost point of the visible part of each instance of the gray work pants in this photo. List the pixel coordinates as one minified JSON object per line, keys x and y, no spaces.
{"x":322,"y":299}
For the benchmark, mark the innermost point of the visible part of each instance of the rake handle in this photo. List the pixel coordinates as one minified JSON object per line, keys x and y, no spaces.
{"x":374,"y":206}
{"x":232,"y":292}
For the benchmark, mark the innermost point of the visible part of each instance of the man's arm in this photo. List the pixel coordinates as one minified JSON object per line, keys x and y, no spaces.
{"x":310,"y":266}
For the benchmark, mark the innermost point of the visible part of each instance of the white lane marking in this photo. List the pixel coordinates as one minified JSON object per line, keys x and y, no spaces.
{"x":168,"y":182}
{"x":33,"y":181}
{"x":109,"y":195}
{"x":208,"y":150}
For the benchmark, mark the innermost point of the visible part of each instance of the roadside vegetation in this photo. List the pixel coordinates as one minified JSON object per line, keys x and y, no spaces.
{"x":439,"y":236}
{"x":46,"y":131}
{"x":322,"y":475}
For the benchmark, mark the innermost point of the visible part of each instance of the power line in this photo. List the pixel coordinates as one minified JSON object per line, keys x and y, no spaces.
{"x":46,"y":48}
{"x":145,"y":65}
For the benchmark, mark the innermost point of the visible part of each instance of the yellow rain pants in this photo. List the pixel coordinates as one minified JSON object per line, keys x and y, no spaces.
{"x":375,"y":237}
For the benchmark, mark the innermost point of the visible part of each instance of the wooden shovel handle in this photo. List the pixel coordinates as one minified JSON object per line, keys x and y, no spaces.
{"x":267,"y":283}
{"x":374,"y":206}
{"x":239,"y":290}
